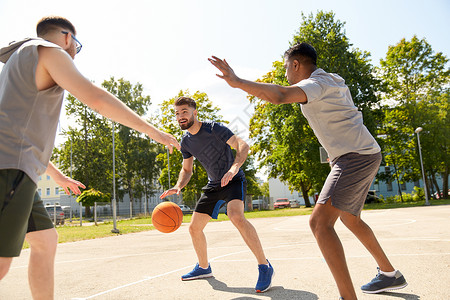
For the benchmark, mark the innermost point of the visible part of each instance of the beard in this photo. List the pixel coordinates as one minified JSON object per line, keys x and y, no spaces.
{"x":188,"y":124}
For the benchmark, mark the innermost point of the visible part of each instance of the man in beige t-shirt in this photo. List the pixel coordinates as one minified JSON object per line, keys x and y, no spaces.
{"x":328,"y":106}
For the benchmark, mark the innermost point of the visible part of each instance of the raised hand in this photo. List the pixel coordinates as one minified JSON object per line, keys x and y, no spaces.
{"x":227,"y":72}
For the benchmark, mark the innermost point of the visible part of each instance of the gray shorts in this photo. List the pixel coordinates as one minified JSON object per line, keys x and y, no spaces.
{"x":21,"y":211}
{"x":349,"y":181}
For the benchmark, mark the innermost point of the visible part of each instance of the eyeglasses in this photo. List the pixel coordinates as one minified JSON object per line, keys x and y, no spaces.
{"x":79,"y":46}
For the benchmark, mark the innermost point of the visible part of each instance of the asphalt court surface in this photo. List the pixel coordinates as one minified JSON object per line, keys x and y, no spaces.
{"x":148,"y":265}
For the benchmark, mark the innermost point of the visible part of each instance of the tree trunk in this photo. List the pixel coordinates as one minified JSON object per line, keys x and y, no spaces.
{"x":436,"y":186}
{"x":87,"y":211}
{"x":305,"y":194}
{"x":445,"y":183}
{"x":130,"y":193}
{"x":399,"y":190}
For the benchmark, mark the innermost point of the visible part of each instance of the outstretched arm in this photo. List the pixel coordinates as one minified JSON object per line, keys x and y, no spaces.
{"x":62,"y":70}
{"x":273,"y":93}
{"x":63,"y":181}
{"x":183,"y":178}
{"x":241,"y":155}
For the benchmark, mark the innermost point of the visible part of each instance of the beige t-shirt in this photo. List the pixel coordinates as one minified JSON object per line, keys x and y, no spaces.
{"x":334,"y":118}
{"x":28,"y":117}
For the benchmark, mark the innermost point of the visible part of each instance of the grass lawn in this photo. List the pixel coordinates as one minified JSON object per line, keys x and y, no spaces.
{"x":73,"y":232}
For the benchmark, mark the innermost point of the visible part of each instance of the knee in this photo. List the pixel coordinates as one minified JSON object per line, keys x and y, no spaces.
{"x":194,"y":229}
{"x":319,"y":225}
{"x":5,"y":263}
{"x":313,"y":223}
{"x":354,"y":223}
{"x":237,"y":219}
{"x":45,"y":241}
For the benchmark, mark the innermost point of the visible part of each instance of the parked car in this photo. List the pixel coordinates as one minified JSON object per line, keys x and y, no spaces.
{"x":440,"y":195}
{"x":260,"y":204}
{"x":185,"y":209}
{"x":294,"y":203}
{"x":59,"y":213}
{"x":281,"y":203}
{"x":372,"y":197}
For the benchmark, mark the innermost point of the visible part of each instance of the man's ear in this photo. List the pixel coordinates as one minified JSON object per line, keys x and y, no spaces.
{"x":67,"y":40}
{"x":296,"y":64}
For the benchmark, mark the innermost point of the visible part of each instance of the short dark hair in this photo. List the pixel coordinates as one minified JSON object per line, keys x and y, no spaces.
{"x":304,"y":51}
{"x":50,"y":23}
{"x":186,"y":101}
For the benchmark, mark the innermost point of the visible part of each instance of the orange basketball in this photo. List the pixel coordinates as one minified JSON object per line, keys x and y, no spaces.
{"x":167,"y":217}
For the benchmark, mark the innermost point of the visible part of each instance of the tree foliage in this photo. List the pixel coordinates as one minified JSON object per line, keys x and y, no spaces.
{"x":89,"y":197}
{"x":135,"y":153}
{"x":89,"y":144}
{"x":416,"y":90}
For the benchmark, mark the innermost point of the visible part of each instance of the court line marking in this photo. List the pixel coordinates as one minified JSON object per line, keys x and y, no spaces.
{"x":218,"y":259}
{"x":151,"y":277}
{"x":228,"y":247}
{"x":375,"y":226}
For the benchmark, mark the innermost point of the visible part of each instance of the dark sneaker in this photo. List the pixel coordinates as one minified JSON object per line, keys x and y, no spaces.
{"x":382,"y":283}
{"x":198,"y":273}
{"x":266,"y":274}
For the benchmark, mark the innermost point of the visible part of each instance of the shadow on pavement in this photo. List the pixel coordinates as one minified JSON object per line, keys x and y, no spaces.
{"x":402,"y":295}
{"x":275,"y":292}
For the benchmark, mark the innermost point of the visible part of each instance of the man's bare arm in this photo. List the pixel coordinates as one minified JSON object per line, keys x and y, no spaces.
{"x":63,"y":181}
{"x":242,"y":149}
{"x":273,"y":93}
{"x":63,"y":71}
{"x":183,"y":178}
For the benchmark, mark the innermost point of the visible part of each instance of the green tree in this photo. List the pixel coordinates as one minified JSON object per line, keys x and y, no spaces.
{"x":135,"y":154}
{"x":416,"y":89}
{"x":89,"y":146}
{"x":89,"y":197}
{"x":284,"y":141}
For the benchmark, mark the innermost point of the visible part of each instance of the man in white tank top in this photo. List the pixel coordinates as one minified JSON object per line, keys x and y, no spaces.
{"x":32,"y":84}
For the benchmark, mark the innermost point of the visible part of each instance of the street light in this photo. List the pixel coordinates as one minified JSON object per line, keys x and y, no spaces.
{"x":114,"y":207}
{"x":419,"y":129}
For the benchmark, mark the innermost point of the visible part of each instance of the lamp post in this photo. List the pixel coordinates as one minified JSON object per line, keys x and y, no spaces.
{"x":419,"y":129}
{"x":71,"y":167}
{"x":168,"y":165}
{"x":114,"y":208}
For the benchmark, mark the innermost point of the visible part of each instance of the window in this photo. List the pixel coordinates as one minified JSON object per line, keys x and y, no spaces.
{"x":57,"y":190}
{"x":40,"y":192}
{"x":417,"y":183}
{"x":47,"y":191}
{"x":40,"y":177}
{"x":48,"y":177}
{"x":403,"y":186}
{"x":389,"y":186}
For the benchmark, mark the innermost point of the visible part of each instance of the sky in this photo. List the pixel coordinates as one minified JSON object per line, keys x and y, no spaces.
{"x":165,"y":44}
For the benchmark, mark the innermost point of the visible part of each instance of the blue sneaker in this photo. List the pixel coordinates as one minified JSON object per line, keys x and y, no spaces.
{"x":197,"y":273}
{"x":266,"y":274}
{"x":382,"y":283}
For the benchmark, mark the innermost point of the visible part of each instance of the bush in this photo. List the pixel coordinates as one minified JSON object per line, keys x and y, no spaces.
{"x":418,"y":194}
